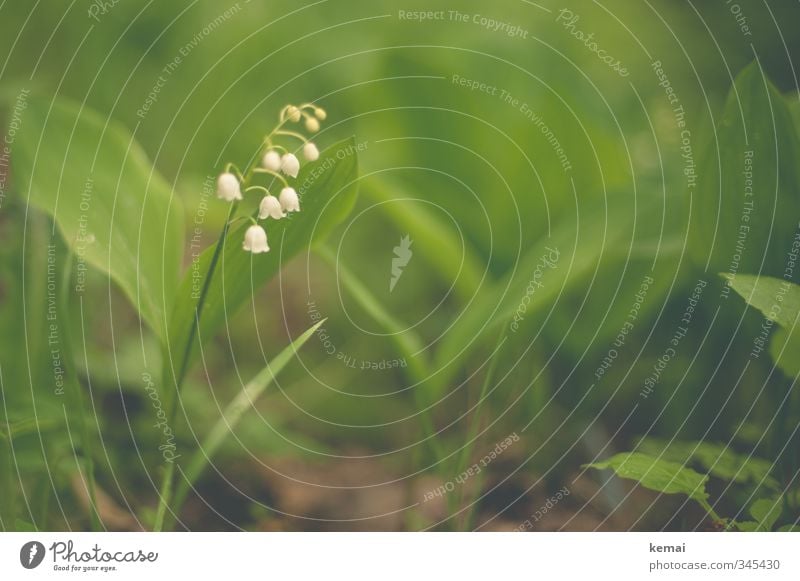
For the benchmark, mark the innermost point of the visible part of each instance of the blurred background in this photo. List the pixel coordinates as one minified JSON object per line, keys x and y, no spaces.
{"x":530,"y":176}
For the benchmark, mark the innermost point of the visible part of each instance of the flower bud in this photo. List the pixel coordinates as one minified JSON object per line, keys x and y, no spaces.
{"x":320,"y":113}
{"x":289,"y":200}
{"x":228,"y":188}
{"x":270,"y":208}
{"x":293,"y":113}
{"x":290,"y":165}
{"x":312,"y":124}
{"x":310,"y":152}
{"x":272,"y":160}
{"x":255,"y":240}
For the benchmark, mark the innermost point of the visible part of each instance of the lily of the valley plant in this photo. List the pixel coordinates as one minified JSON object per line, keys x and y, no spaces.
{"x":278,"y":163}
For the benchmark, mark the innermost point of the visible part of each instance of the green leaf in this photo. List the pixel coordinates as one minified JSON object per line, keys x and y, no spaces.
{"x":748,"y":216}
{"x":747,"y":526}
{"x":454,"y":258}
{"x":111,"y":206}
{"x":327,"y":191}
{"x":408,"y":342}
{"x":766,"y":511}
{"x":785,"y":350}
{"x":244,"y":401}
{"x":23,"y":526}
{"x":778,"y":300}
{"x":659,"y":475}
{"x":717,"y":459}
{"x":578,"y":251}
{"x":789,"y":529}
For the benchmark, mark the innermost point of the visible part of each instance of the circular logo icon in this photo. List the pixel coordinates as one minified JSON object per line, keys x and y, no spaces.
{"x":31,"y":554}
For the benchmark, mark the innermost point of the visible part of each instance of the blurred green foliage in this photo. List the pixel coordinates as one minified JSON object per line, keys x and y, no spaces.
{"x":476,"y":179}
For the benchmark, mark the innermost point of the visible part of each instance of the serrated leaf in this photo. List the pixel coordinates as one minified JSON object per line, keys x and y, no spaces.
{"x":111,"y":206}
{"x":327,"y":191}
{"x":719,"y":460}
{"x":751,"y":217}
{"x":656,"y":474}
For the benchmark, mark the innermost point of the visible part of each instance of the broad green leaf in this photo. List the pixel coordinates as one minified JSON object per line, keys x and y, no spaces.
{"x":719,"y":460}
{"x":766,"y":511}
{"x":778,"y":300}
{"x":454,"y":258}
{"x":327,"y":191}
{"x":578,"y":251}
{"x":747,"y":199}
{"x":111,"y":206}
{"x":244,"y":400}
{"x":406,"y":340}
{"x":659,"y":475}
{"x":789,"y":529}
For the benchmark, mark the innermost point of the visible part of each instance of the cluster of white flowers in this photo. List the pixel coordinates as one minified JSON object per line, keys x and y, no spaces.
{"x":279,"y":163}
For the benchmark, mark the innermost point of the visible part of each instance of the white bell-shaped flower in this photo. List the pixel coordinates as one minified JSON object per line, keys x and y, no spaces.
{"x":312,"y":124}
{"x":272,"y":160}
{"x":270,"y":207}
{"x":310,"y":152}
{"x":228,"y":188}
{"x":290,"y":165}
{"x":289,"y":200}
{"x":320,"y":113}
{"x":255,"y":240}
{"x":293,"y":113}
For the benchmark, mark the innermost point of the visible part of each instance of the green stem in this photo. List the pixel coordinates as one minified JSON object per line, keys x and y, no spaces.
{"x":407,"y":342}
{"x":711,"y":512}
{"x":76,"y":396}
{"x":294,"y":134}
{"x":273,"y":174}
{"x":7,"y":502}
{"x":466,"y":451}
{"x":166,"y":483}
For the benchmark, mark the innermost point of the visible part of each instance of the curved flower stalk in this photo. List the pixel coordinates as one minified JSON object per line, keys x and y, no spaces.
{"x":279,"y":163}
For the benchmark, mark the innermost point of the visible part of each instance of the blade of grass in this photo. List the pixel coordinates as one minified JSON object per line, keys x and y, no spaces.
{"x":466,"y":452}
{"x":243,"y":401}
{"x":172,"y":405}
{"x":408,"y":343}
{"x":73,"y":388}
{"x":7,"y":499}
{"x":453,"y":258}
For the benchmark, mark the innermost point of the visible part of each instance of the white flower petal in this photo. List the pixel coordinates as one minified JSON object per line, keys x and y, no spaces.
{"x":270,"y":207}
{"x":228,"y":188}
{"x":255,"y":240}
{"x":272,"y":160}
{"x":310,"y":152}
{"x":289,"y":200}
{"x":290,"y":165}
